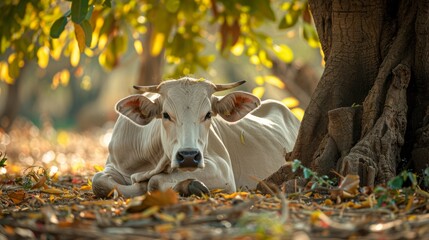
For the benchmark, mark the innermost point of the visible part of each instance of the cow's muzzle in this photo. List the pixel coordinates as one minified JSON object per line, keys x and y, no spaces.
{"x":188,"y":158}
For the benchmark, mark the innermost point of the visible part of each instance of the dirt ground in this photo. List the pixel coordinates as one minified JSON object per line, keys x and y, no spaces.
{"x":46,"y":194}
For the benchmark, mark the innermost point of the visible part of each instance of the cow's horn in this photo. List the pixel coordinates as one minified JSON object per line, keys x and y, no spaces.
{"x":221,"y":87}
{"x":152,"y":88}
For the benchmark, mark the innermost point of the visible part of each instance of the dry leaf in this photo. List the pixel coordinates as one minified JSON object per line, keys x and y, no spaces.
{"x":40,"y":183}
{"x":98,"y":203}
{"x":348,"y":188}
{"x":85,"y":188}
{"x":156,"y":198}
{"x":52,"y":191}
{"x":17,"y":197}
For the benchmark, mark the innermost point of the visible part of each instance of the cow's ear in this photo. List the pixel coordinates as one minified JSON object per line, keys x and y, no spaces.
{"x":138,"y":108}
{"x":235,"y":105}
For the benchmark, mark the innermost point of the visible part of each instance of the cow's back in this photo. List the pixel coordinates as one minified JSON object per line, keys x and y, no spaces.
{"x":257,"y":144}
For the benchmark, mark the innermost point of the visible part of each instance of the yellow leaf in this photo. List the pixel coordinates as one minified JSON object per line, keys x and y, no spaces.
{"x":242,"y":137}
{"x":43,"y":57}
{"x":275,"y":81}
{"x":102,"y":41}
{"x":235,"y":195}
{"x":138,"y":46}
{"x":157,"y":43}
{"x":259,"y":80}
{"x":290,"y":102}
{"x":264,"y":59}
{"x":98,"y":168}
{"x":254,"y":60}
{"x":284,"y":53}
{"x":238,"y":48}
{"x":80,"y":36}
{"x":258,"y":91}
{"x":52,"y":191}
{"x":57,"y":48}
{"x":85,"y":188}
{"x":75,"y":54}
{"x":298,"y":112}
{"x":4,"y":73}
{"x":64,"y":77}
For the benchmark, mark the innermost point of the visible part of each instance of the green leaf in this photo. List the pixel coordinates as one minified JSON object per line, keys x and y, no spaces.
{"x":396,"y":183}
{"x":79,"y":9}
{"x":58,"y":27}
{"x":412,"y":177}
{"x":3,"y":160}
{"x":107,"y":3}
{"x":291,"y":16}
{"x":426,"y":177}
{"x":310,"y":34}
{"x":14,"y":68}
{"x":264,"y":8}
{"x":307,"y":173}
{"x":295,"y":165}
{"x":87,"y":28}
{"x":172,"y":5}
{"x":314,"y":185}
{"x":22,"y":6}
{"x":89,"y":14}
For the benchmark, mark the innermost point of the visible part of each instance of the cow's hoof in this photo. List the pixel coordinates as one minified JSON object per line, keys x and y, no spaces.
{"x":190,"y":187}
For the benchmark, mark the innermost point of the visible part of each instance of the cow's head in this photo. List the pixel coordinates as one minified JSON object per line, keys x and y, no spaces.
{"x":186,"y":107}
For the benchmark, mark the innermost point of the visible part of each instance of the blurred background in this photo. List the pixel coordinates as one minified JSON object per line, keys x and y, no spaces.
{"x":64,"y":65}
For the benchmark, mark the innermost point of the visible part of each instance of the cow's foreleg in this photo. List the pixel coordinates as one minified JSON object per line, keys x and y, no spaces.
{"x":191,"y":187}
{"x":215,"y":175}
{"x":104,"y":182}
{"x":162,"y":166}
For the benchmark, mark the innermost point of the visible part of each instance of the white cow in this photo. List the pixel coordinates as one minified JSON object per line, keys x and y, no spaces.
{"x":185,"y":138}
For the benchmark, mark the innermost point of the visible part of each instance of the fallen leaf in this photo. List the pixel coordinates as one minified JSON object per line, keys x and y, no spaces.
{"x":40,"y":183}
{"x":17,"y":197}
{"x":98,"y":202}
{"x":235,"y":195}
{"x":156,"y":198}
{"x":85,"y":188}
{"x":348,"y":188}
{"x":52,"y":191}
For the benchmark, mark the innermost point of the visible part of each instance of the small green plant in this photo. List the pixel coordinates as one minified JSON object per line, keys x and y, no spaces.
{"x":33,"y":177}
{"x":3,"y":159}
{"x":398,"y":182}
{"x":318,"y":181}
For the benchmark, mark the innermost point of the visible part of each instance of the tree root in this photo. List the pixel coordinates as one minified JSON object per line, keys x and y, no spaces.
{"x":376,"y":155}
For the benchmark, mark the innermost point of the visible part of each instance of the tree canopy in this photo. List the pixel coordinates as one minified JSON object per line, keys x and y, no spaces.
{"x":47,"y":30}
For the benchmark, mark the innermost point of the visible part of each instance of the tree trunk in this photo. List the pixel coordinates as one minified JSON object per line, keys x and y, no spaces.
{"x":369,"y":110}
{"x":11,"y":109}
{"x":151,"y":66}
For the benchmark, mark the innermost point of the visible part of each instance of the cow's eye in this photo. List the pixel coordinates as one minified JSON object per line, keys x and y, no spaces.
{"x":208,"y":116}
{"x":166,"y":116}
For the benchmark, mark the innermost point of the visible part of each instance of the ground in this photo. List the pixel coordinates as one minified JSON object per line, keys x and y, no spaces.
{"x":53,"y":199}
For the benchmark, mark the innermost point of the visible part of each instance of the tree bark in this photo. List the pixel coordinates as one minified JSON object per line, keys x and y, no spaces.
{"x":11,"y":109}
{"x":358,"y":121}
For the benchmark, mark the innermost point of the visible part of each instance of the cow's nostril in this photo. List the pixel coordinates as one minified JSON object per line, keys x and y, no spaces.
{"x":197,"y":157}
{"x":188,"y":158}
